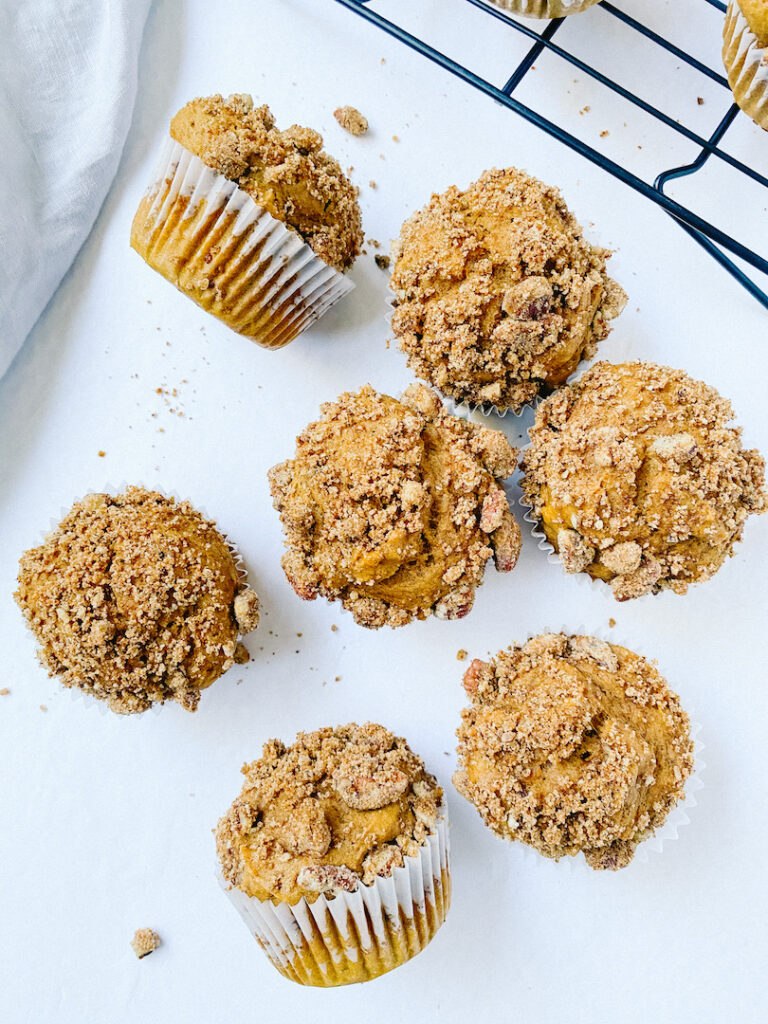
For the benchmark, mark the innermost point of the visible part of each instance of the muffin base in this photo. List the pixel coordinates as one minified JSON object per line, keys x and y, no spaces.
{"x":208,"y":237}
{"x":355,"y":937}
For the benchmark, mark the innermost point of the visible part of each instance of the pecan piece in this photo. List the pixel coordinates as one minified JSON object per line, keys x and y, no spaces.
{"x":328,"y":878}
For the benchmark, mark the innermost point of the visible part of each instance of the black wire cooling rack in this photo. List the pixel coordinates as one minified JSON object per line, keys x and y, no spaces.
{"x":717,"y":242}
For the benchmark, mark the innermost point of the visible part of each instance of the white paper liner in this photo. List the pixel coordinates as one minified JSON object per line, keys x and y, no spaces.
{"x":747,"y":65}
{"x":405,"y":909}
{"x":676,"y":819}
{"x":82,"y":696}
{"x":294,"y":286}
{"x":544,"y":8}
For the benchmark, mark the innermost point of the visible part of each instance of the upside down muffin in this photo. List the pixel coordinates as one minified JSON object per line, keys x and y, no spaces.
{"x":497,"y":294}
{"x":335,"y":825}
{"x":545,"y":8}
{"x":573,"y":745}
{"x":266,"y":270}
{"x":637,"y":479}
{"x":394,"y":507}
{"x":136,"y":599}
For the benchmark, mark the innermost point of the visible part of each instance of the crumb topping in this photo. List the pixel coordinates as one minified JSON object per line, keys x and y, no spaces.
{"x":572,"y":744}
{"x":638,"y":480}
{"x":144,"y":942}
{"x":286,"y":172}
{"x":497,"y":294}
{"x":338,"y":808}
{"x":136,"y":599}
{"x":393,"y":508}
{"x":351,"y":120}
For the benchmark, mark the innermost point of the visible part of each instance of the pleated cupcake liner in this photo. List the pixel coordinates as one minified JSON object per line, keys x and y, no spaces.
{"x":678,"y":817}
{"x":216,"y":244}
{"x":746,"y":63}
{"x":544,"y":8}
{"x":356,"y":936}
{"x":81,"y":696}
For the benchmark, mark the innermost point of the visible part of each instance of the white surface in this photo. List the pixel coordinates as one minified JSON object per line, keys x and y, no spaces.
{"x":106,"y":821}
{"x":67,"y":86}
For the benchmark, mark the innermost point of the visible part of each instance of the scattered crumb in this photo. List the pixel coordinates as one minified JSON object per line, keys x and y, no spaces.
{"x":604,"y":133}
{"x":611,"y":623}
{"x":43,"y":707}
{"x":374,"y":243}
{"x":334,"y":629}
{"x":4,"y":692}
{"x":383,"y":60}
{"x":337,"y":679}
{"x":382,"y":262}
{"x":585,"y":110}
{"x":395,"y":138}
{"x":351,"y":120}
{"x":461,"y":655}
{"x":144,"y":942}
{"x":700,"y":100}
{"x":372,"y":184}
{"x":101,"y":454}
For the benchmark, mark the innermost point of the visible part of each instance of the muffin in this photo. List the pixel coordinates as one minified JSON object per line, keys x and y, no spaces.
{"x":497,"y":294}
{"x":393,"y":508}
{"x":636,"y":478}
{"x":572,"y":745}
{"x":545,"y":8}
{"x":336,"y":854}
{"x":257,"y":225}
{"x":745,"y":55}
{"x":136,"y":600}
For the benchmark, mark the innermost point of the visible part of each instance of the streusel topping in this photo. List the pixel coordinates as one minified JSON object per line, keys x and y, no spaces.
{"x":286,"y":172}
{"x":136,"y":599}
{"x":338,"y":808}
{"x":572,"y":744}
{"x":394,"y":508}
{"x":638,"y":480}
{"x":497,"y":293}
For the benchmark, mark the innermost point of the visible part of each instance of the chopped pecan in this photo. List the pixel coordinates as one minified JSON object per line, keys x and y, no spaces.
{"x":506,"y":542}
{"x":328,"y":878}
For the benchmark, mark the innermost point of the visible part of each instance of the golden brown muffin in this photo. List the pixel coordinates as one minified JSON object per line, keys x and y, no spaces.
{"x":328,"y":822}
{"x":745,"y":55}
{"x":254,"y":224}
{"x":337,"y":809}
{"x":136,"y":599}
{"x":637,"y":479}
{"x":572,"y":745}
{"x":497,"y":294}
{"x":545,"y":8}
{"x":287,"y":172}
{"x":393,"y":508}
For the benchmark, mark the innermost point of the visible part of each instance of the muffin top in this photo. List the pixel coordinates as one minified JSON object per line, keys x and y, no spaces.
{"x":756,"y":13}
{"x":638,"y":480}
{"x":136,"y":599}
{"x":497,"y":294}
{"x":395,"y":507}
{"x":338,"y":807}
{"x":286,"y":172}
{"x":572,"y":745}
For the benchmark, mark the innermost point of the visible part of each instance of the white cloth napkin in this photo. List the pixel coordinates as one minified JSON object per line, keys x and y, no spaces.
{"x":68,"y":73}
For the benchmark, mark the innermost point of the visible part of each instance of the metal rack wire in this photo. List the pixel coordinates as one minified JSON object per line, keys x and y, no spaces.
{"x":717,"y":242}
